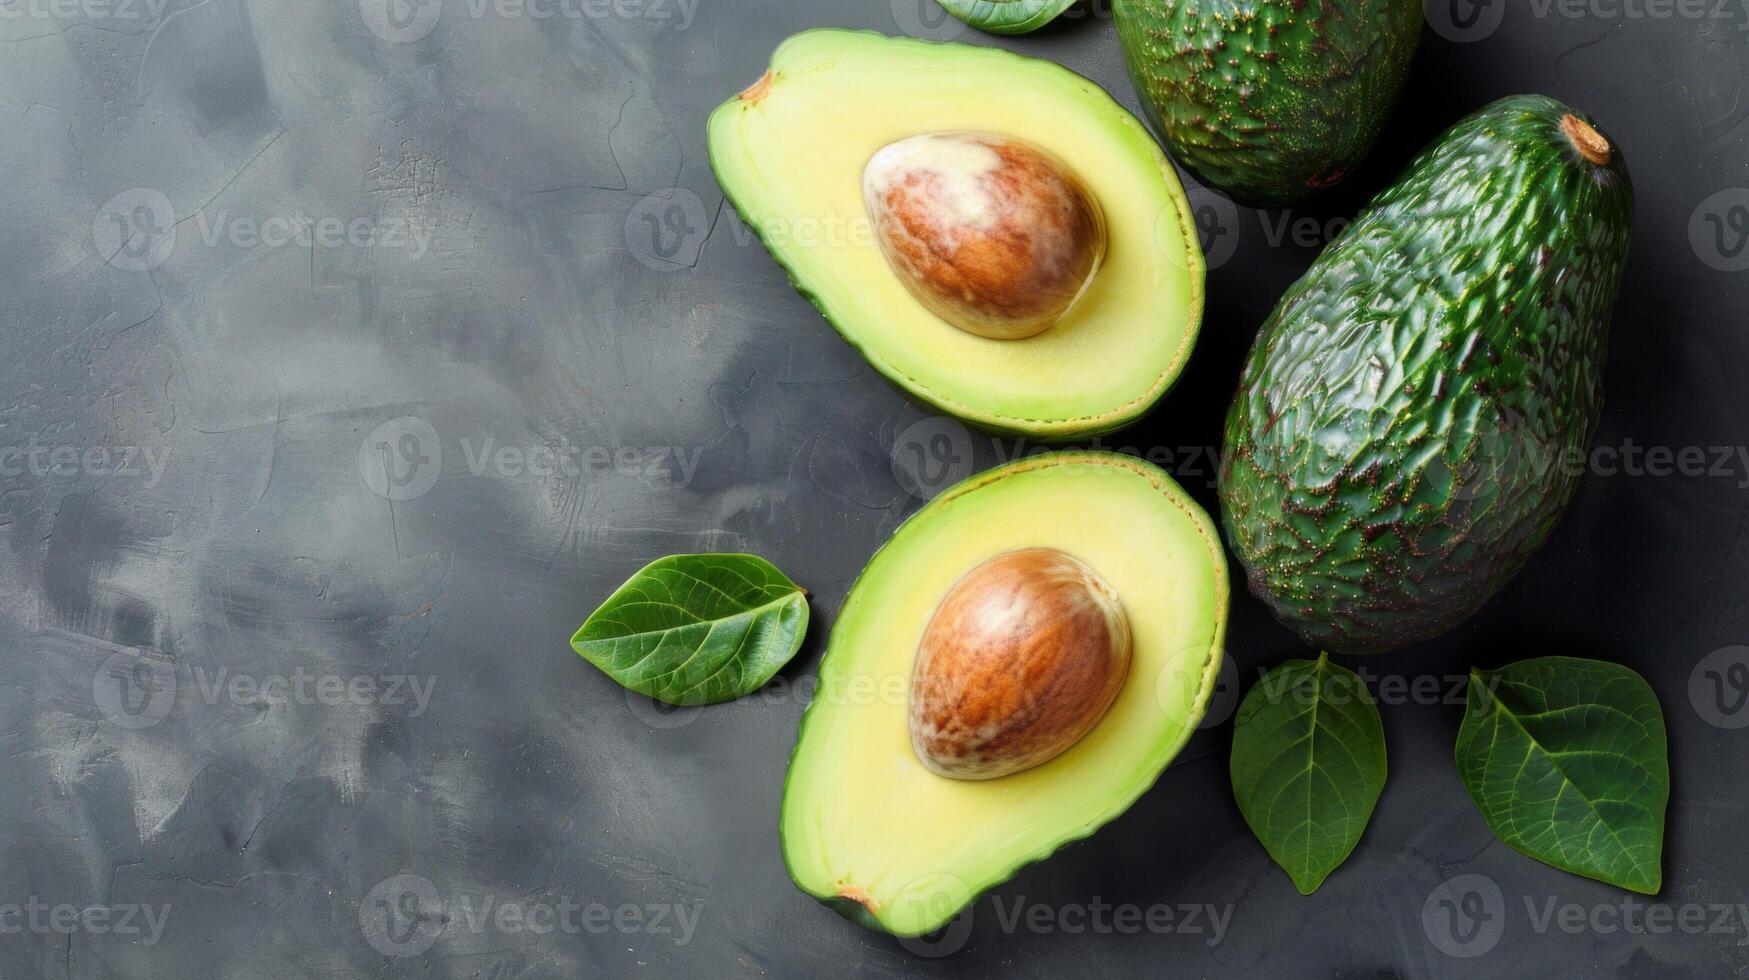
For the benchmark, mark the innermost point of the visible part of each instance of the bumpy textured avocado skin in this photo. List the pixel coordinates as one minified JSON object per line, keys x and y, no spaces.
{"x":1413,"y":417}
{"x":1268,"y":100}
{"x":1007,"y":16}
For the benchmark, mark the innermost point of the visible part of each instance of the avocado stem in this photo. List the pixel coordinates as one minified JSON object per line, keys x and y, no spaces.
{"x":756,"y":91}
{"x":860,"y":897}
{"x":1591,"y":144}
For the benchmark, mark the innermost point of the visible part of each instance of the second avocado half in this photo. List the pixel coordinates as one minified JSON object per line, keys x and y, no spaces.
{"x":867,"y":827}
{"x":791,"y":153}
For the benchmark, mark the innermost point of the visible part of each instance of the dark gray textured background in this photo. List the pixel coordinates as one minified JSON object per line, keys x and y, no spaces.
{"x":541,"y":258}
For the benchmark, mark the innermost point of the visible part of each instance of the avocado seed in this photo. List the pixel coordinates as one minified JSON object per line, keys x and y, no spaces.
{"x":994,"y":235}
{"x":1023,"y":657}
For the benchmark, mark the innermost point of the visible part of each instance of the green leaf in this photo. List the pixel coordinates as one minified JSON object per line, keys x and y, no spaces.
{"x":697,"y":629}
{"x":1568,"y":762}
{"x":1007,"y":16}
{"x":1308,"y":765}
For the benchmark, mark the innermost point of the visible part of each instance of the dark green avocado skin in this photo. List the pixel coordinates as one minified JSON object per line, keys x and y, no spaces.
{"x":1415,"y":414}
{"x":1268,"y":100}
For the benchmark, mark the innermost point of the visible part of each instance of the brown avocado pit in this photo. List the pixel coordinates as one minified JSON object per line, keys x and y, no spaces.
{"x":1022,"y":658}
{"x":995,"y":235}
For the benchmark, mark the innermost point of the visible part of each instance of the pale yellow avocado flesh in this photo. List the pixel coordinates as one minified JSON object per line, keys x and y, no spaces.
{"x":865,"y":826}
{"x":790,"y":151}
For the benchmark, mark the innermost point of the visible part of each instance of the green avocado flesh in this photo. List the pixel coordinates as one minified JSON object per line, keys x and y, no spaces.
{"x":1268,"y":100}
{"x":865,"y":826}
{"x":790,"y":151}
{"x":1414,"y":415}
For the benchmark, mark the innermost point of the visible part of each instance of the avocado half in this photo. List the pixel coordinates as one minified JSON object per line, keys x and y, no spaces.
{"x":866,"y":828}
{"x":789,"y":153}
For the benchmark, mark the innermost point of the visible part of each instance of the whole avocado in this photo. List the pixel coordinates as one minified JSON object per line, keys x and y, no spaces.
{"x":1268,"y":100}
{"x":1414,"y":415}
